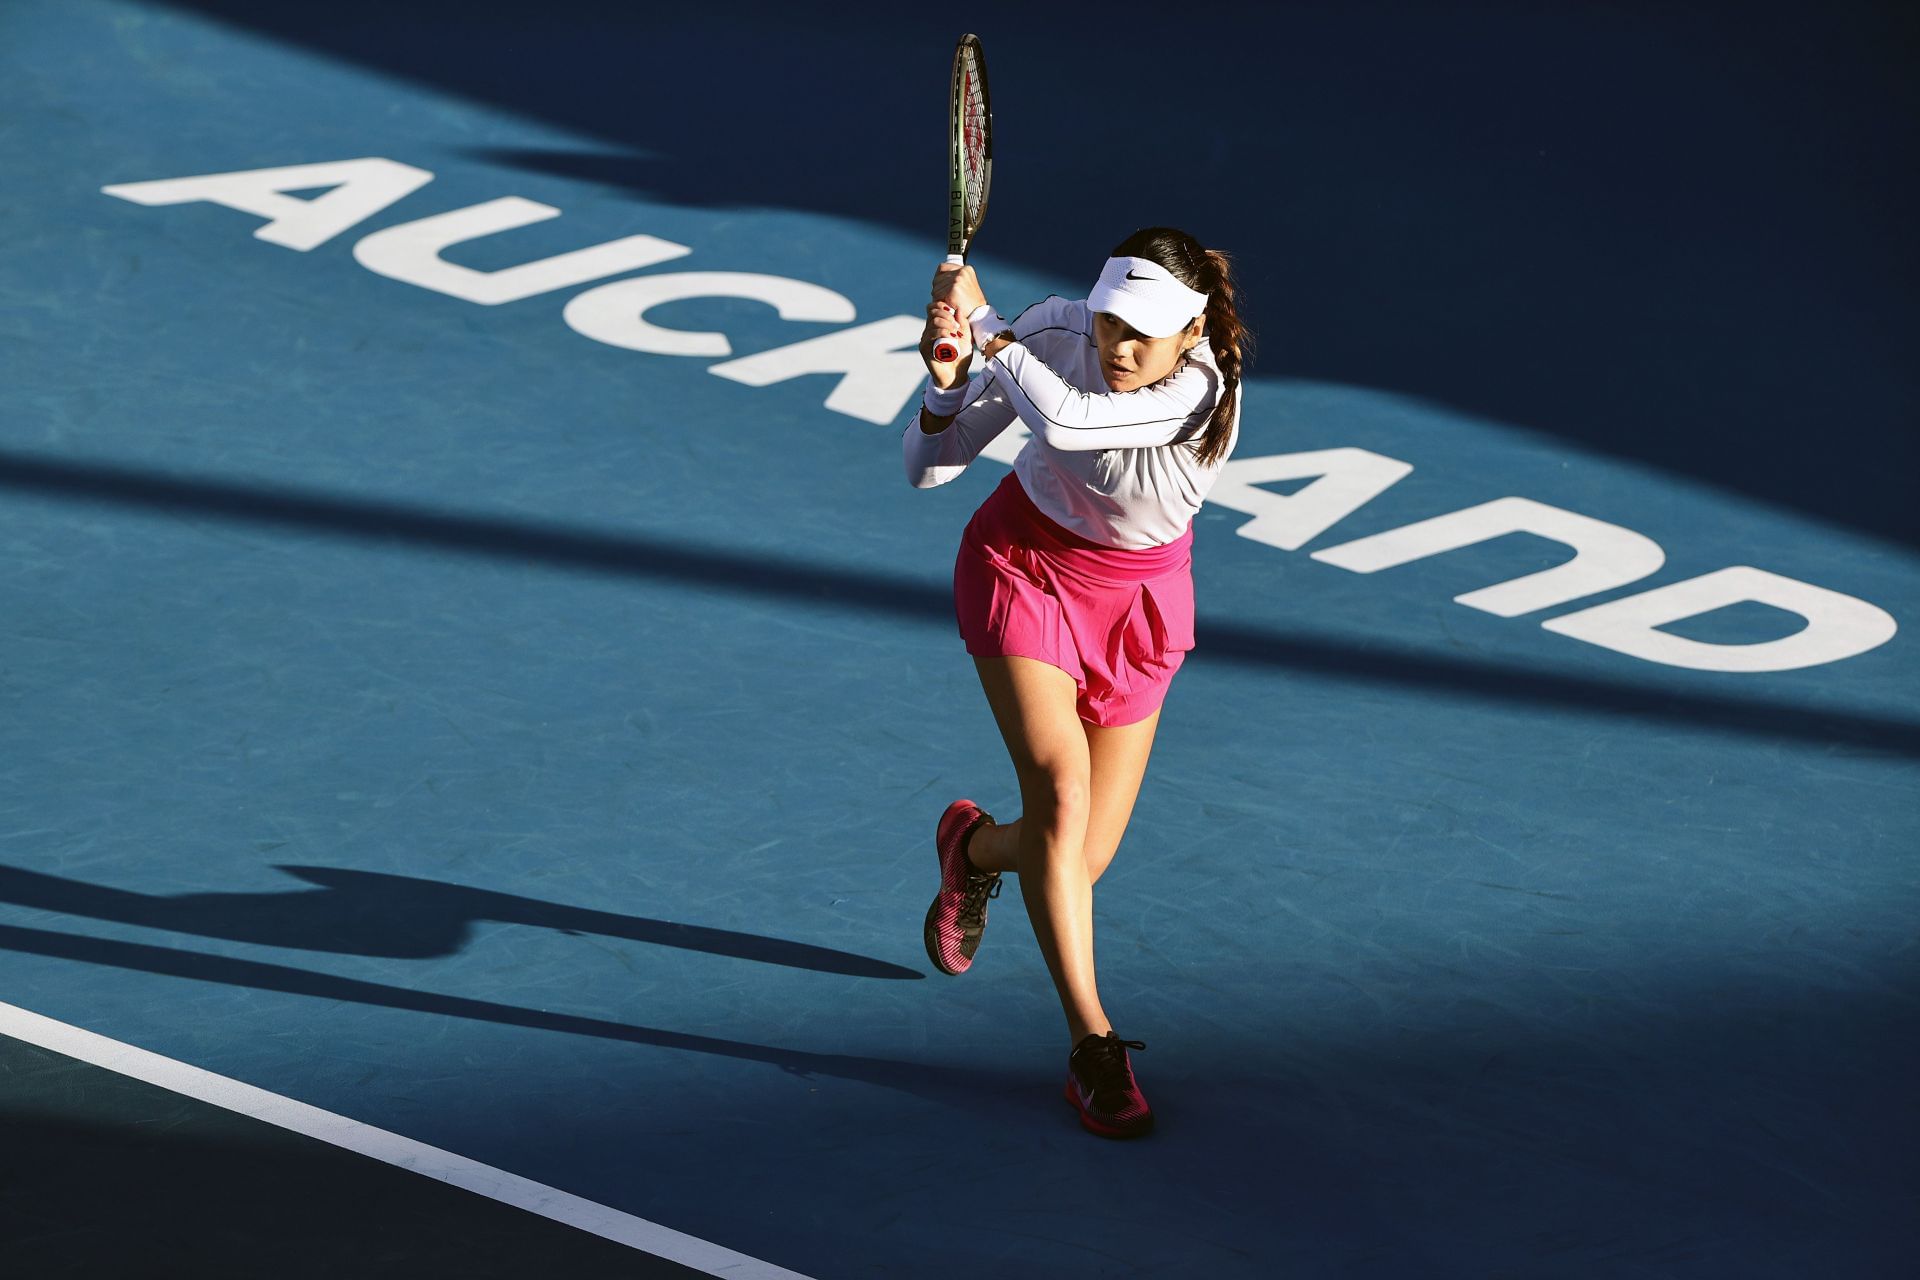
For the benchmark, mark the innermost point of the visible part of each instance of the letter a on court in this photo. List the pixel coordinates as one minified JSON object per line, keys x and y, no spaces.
{"x":360,"y":189}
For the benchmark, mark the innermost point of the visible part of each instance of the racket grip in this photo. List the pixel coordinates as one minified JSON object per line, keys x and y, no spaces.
{"x":946,"y":351}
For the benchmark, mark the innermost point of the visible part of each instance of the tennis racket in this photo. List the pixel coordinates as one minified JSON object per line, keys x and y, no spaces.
{"x":970,"y":138}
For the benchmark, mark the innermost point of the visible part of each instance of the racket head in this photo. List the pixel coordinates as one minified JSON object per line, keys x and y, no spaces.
{"x":970,"y":135}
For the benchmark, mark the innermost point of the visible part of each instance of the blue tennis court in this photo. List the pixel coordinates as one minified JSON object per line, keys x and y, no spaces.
{"x":477,"y":689}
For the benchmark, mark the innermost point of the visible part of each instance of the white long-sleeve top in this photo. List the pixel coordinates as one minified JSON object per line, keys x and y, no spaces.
{"x":1114,"y":467}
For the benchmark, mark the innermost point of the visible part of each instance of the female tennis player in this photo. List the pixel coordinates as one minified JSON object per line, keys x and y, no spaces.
{"x":1073,"y":587}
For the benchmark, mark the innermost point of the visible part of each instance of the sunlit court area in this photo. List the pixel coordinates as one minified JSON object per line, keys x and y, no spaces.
{"x":478,"y":692}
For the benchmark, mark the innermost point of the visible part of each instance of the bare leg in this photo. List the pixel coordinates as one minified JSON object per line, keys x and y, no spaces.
{"x":1033,"y":704}
{"x":1118,"y":761}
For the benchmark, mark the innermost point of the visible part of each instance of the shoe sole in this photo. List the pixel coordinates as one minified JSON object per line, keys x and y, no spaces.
{"x":1093,"y":1126}
{"x":930,"y":934}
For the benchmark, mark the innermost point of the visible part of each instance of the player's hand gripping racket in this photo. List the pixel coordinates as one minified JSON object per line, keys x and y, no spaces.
{"x":970,"y":133}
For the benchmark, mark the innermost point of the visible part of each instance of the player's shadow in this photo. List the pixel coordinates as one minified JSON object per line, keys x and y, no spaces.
{"x":369,"y":913}
{"x":931,"y":1081}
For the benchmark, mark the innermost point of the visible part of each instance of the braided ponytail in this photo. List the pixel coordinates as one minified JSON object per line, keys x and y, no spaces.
{"x":1207,"y":271}
{"x":1231,"y":343}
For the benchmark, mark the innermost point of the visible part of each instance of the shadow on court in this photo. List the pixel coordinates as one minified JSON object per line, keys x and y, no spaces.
{"x":368,"y":913}
{"x":151,"y":1183}
{"x":1572,"y":218}
{"x":936,"y":1083}
{"x":1638,"y":1137}
{"x":708,"y":568}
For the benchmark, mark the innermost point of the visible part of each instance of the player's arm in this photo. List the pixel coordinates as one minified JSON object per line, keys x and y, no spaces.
{"x":936,"y":456}
{"x":1071,"y":419}
{"x":939,"y":447}
{"x":943,"y":323}
{"x":1061,"y":414}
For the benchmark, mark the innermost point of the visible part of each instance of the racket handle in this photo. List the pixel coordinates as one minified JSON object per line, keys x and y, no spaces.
{"x":946,"y":351}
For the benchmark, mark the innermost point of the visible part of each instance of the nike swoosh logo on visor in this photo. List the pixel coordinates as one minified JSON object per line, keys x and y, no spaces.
{"x":1132,"y":276}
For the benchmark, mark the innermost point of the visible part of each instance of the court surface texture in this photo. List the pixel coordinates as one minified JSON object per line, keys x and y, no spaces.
{"x":476,"y":689}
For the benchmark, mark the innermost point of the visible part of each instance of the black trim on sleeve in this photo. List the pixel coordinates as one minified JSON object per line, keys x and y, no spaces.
{"x":1111,"y":426}
{"x":1052,"y":328}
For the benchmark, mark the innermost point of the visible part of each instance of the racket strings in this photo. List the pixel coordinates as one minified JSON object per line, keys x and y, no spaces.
{"x":973,"y":137}
{"x":970,"y":136}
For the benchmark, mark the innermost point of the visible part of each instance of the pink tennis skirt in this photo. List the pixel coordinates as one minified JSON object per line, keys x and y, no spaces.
{"x":1119,"y":621}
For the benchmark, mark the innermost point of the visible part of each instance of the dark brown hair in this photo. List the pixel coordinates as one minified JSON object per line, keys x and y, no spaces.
{"x":1207,"y":271}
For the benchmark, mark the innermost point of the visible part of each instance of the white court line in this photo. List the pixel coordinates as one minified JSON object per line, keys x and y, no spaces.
{"x":389,"y":1148}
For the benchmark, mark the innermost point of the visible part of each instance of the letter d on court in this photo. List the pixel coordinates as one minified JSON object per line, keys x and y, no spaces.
{"x":1838,"y":626}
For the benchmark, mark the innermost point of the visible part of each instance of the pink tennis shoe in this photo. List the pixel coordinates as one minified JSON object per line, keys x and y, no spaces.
{"x":958,"y":915}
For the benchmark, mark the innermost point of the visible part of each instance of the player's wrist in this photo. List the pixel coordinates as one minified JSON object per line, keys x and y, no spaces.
{"x":985,"y":323}
{"x":944,"y":402}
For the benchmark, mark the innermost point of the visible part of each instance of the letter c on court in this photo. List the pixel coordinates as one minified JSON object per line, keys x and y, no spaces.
{"x":616,"y":313}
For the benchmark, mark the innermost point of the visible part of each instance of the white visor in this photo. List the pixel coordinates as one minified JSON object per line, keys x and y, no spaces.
{"x":1146,"y":296}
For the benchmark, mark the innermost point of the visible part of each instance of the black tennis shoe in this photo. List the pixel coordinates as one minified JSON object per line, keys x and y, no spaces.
{"x":1101,"y":1087}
